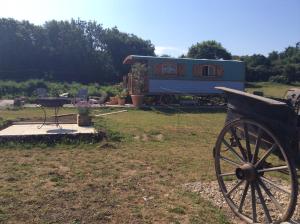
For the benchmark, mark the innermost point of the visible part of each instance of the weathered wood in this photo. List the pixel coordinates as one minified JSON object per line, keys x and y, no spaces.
{"x":116,"y":112}
{"x":64,"y":115}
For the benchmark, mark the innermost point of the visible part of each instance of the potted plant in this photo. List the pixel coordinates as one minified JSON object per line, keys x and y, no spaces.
{"x":138,"y":74}
{"x":122,"y":97}
{"x":83,"y":116}
{"x":113,"y":100}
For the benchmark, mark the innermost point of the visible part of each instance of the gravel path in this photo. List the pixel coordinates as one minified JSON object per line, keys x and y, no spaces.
{"x":210,"y":191}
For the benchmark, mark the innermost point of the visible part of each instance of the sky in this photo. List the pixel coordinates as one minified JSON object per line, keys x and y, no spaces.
{"x":243,"y":27}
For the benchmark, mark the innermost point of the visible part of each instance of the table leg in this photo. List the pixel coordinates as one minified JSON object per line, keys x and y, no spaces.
{"x":45,"y":118}
{"x":56,"y":109}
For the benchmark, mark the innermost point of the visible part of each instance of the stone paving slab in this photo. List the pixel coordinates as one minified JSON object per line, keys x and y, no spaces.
{"x":6,"y":103}
{"x":32,"y":129}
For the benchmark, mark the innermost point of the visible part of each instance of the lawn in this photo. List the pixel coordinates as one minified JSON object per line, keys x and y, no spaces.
{"x":271,"y":89}
{"x":134,"y":177}
{"x":137,"y":180}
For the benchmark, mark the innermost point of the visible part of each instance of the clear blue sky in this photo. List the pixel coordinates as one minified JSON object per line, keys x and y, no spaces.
{"x":242,"y":26}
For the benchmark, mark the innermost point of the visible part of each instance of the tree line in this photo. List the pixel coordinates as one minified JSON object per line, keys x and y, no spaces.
{"x":85,"y":52}
{"x":281,"y":67}
{"x":69,"y":51}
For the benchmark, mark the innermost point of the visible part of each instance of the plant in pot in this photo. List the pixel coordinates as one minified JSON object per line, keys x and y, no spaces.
{"x":113,"y":100}
{"x":122,"y":97}
{"x":83,"y":116}
{"x":138,"y":74}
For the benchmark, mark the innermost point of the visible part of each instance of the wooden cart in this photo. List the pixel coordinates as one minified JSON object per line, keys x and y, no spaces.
{"x":256,"y":157}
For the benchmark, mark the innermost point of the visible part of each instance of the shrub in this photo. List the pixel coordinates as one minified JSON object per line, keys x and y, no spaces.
{"x":279,"y":79}
{"x":13,"y":89}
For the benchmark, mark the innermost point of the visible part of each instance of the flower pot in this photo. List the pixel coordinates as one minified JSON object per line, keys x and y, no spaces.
{"x":137,"y":100}
{"x":84,"y":120}
{"x":121,"y":101}
{"x":113,"y":100}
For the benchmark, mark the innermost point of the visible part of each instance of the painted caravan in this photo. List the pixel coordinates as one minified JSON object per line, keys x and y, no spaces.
{"x":186,"y":76}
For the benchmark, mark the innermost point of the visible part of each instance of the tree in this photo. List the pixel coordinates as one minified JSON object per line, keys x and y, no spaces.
{"x":273,"y":56}
{"x":72,"y":50}
{"x":290,"y":73}
{"x":165,"y":56}
{"x":120,"y":45}
{"x":208,"y":50}
{"x":182,"y":56}
{"x":256,"y":60}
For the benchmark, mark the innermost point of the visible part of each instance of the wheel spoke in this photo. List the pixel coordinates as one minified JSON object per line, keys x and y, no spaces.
{"x":253,"y":197}
{"x":263,"y":203}
{"x":227,"y":174}
{"x":271,"y":196}
{"x":244,"y":196}
{"x":234,"y":188}
{"x":230,"y":161}
{"x":231,"y":149}
{"x":275,"y":185}
{"x":238,"y":143}
{"x":263,"y":158}
{"x":247,"y":142}
{"x":276,"y":168}
{"x":257,"y":143}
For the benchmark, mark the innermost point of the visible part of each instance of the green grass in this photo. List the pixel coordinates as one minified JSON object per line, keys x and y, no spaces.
{"x":136,"y":177}
{"x":271,"y":89}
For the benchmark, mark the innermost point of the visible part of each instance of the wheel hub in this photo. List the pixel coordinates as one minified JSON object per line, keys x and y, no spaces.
{"x":246,"y":172}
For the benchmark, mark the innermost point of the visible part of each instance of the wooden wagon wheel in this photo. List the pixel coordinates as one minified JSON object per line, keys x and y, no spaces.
{"x":255,"y":174}
{"x":167,"y":99}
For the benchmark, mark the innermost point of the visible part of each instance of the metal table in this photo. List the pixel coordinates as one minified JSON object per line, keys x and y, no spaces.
{"x":51,"y":102}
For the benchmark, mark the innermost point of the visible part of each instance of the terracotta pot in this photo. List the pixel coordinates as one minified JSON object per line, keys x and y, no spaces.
{"x":113,"y":100}
{"x":121,"y":101}
{"x":84,"y":120}
{"x":137,"y":100}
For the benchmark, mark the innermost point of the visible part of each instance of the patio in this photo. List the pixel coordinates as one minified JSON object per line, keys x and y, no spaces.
{"x":32,"y":129}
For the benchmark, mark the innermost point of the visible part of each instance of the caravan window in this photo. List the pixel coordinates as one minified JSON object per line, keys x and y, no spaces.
{"x":208,"y":70}
{"x":200,"y":70}
{"x":205,"y":70}
{"x":169,"y":69}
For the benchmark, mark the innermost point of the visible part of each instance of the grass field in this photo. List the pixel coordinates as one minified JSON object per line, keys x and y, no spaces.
{"x":271,"y":89}
{"x":137,"y":180}
{"x":135,"y":177}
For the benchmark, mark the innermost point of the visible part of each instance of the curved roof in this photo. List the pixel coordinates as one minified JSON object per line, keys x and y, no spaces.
{"x":130,"y":59}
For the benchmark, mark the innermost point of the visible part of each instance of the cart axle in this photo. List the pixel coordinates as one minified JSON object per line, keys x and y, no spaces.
{"x":246,"y":172}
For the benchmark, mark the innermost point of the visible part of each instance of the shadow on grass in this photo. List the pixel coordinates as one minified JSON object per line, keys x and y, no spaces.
{"x":253,"y":85}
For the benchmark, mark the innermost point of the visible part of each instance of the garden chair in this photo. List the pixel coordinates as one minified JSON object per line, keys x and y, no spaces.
{"x":41,"y":92}
{"x":82,"y":95}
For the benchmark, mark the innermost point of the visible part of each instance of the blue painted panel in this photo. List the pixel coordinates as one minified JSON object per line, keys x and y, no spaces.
{"x":190,"y":87}
{"x":233,"y":70}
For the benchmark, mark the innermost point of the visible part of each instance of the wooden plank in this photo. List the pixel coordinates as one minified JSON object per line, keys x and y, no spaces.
{"x":105,"y":114}
{"x":63,"y":115}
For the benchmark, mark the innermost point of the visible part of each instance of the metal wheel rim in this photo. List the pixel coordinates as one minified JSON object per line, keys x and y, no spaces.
{"x":294,"y":184}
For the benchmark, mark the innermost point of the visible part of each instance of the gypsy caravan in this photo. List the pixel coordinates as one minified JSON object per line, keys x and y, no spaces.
{"x":185,"y":76}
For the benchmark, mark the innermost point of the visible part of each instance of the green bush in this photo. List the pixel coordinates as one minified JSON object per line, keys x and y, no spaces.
{"x":279,"y":79}
{"x":11,"y":89}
